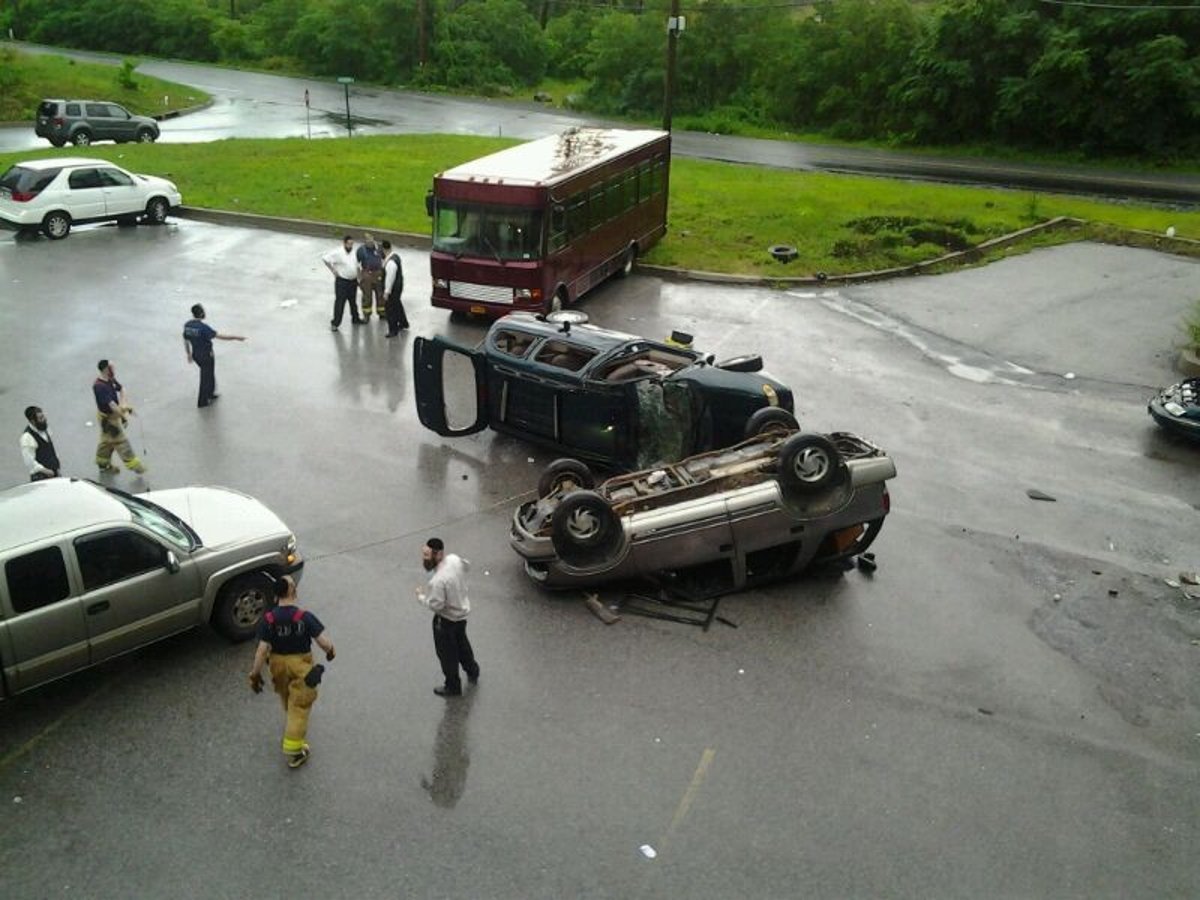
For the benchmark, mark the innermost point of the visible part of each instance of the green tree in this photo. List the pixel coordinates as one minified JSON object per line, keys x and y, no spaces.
{"x":485,"y":43}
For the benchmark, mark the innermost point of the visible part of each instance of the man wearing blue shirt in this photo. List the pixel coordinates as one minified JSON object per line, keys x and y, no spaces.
{"x":198,"y":336}
{"x":112,"y":412}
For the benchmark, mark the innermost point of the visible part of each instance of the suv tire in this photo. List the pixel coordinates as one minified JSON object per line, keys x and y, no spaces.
{"x":82,"y":138}
{"x":585,"y":530}
{"x":240,"y":606}
{"x":56,"y":225}
{"x":156,"y":210}
{"x":146,"y":136}
{"x":810,"y":463}
{"x":57,"y":142}
{"x":770,"y":419}
{"x":563,"y":471}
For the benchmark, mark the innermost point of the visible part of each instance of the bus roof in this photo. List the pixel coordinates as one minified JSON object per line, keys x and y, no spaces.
{"x":555,"y":158}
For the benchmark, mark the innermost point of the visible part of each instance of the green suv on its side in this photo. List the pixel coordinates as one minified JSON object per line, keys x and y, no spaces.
{"x":89,"y":572}
{"x":83,"y":121}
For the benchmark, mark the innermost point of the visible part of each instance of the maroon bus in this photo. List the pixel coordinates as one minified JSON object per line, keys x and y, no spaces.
{"x":536,"y":226}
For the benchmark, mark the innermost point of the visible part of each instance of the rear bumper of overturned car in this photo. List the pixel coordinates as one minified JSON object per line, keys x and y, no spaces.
{"x":1189,"y":428}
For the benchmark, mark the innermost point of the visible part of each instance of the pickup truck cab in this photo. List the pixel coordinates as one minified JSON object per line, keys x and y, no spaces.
{"x":89,"y":572}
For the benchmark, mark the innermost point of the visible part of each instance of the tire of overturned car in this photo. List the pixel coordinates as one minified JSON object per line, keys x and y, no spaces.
{"x":585,"y":531}
{"x":562,"y":472}
{"x":810,"y":463}
{"x":768,"y":419}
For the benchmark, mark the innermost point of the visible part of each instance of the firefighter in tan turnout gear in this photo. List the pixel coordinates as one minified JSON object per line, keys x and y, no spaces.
{"x":285,"y":636}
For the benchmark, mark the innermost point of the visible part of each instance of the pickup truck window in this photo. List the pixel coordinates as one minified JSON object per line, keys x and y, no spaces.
{"x":37,"y":579}
{"x":116,"y":555}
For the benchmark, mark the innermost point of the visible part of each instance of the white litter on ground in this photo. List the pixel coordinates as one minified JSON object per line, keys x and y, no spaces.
{"x":648,"y":851}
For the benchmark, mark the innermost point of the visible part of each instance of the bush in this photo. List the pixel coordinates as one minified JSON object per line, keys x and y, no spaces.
{"x":125,"y":75}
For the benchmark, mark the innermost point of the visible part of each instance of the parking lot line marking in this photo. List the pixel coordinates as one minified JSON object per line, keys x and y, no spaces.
{"x":689,"y":795}
{"x":13,"y":755}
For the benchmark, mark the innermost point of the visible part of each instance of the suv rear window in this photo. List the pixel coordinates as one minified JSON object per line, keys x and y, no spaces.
{"x":47,"y":108}
{"x":19,"y":179}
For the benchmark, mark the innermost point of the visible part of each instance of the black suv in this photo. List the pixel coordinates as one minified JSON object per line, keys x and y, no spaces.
{"x":83,"y":121}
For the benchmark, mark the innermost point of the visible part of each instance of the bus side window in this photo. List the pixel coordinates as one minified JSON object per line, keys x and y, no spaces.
{"x":596,"y":216}
{"x":644,"y":182}
{"x":614,"y":204}
{"x":577,"y":216}
{"x":558,"y":227}
{"x":629,"y":191}
{"x":660,"y":168}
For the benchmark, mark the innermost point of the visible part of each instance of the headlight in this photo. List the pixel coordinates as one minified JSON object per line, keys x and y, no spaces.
{"x":442,"y":283}
{"x":1173,"y":408}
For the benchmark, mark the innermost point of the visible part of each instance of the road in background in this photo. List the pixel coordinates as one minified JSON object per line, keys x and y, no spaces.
{"x":1008,"y":706}
{"x":249,"y":104}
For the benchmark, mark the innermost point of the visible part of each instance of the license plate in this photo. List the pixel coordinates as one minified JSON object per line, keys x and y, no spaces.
{"x":477,"y":310}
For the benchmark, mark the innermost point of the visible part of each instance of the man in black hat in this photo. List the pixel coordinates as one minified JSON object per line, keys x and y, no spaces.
{"x":37,"y":447}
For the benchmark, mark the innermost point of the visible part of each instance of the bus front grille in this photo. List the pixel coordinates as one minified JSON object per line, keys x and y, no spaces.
{"x":482,"y":293}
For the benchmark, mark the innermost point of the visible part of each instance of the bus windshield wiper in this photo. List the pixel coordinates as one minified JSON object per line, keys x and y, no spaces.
{"x":496,"y":253}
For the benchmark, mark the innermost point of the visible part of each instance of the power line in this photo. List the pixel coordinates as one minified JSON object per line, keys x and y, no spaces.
{"x":1124,"y":7}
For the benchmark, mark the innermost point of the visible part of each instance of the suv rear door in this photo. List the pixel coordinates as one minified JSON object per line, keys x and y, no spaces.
{"x":122,"y":195}
{"x":43,"y":634}
{"x":441,"y":370}
{"x":85,"y":194}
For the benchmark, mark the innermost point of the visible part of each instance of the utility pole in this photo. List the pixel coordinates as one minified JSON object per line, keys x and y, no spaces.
{"x":675,"y":24}
{"x":422,"y":34}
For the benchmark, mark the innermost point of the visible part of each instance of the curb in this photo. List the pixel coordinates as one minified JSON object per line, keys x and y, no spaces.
{"x":335,"y":230}
{"x":970,"y":253}
{"x":306,"y":227}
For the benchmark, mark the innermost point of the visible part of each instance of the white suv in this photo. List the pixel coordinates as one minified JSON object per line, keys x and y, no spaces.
{"x":51,"y":195}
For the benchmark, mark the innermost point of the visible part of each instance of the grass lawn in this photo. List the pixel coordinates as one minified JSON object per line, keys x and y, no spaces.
{"x":722,"y":216}
{"x":27,"y":78}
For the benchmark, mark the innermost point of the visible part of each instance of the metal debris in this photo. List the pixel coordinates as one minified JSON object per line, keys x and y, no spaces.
{"x":1035,"y":494}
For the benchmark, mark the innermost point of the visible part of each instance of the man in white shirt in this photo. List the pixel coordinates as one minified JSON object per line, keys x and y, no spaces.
{"x":446,"y":596}
{"x":37,"y":447}
{"x":342,"y":262}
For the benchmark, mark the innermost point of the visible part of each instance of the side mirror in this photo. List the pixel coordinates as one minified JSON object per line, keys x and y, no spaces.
{"x":172,"y":562}
{"x":429,"y":203}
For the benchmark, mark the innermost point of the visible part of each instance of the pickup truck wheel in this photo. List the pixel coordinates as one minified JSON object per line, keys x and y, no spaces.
{"x":564,"y":475}
{"x":585,"y":530}
{"x":241,"y":604}
{"x":771,"y":420}
{"x":809,"y":463}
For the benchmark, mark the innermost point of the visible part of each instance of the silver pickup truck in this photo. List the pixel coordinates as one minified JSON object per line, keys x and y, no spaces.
{"x":764,"y":509}
{"x":89,"y":572}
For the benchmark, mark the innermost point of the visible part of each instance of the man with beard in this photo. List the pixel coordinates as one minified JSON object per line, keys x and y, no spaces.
{"x":341,"y":262}
{"x":393,"y":287}
{"x":447,"y":598}
{"x":198,"y":336}
{"x":113,"y":411}
{"x":37,"y":447}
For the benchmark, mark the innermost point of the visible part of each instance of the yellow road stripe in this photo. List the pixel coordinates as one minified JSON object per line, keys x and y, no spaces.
{"x":26,"y":747}
{"x":689,"y":795}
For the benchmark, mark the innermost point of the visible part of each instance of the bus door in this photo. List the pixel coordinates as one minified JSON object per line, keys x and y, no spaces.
{"x":451,"y":387}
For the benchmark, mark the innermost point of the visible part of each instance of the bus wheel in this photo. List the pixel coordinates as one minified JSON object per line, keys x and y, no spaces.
{"x":628,"y":263}
{"x":558,"y":302}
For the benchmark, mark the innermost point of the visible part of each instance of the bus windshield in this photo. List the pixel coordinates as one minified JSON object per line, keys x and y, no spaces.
{"x":476,"y":229}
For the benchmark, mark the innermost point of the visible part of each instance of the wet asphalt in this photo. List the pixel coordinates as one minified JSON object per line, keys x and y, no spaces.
{"x":1007,"y":708}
